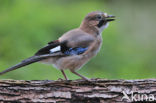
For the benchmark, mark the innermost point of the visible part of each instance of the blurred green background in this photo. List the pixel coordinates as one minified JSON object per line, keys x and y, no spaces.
{"x":129,"y":43}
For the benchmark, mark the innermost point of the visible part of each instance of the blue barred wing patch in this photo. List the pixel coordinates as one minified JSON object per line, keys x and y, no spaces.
{"x":75,"y":51}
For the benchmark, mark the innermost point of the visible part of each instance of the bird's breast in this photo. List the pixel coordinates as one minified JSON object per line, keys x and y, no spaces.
{"x":95,"y":48}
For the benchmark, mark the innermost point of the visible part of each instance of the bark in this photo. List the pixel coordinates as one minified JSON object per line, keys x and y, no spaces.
{"x":78,"y":91}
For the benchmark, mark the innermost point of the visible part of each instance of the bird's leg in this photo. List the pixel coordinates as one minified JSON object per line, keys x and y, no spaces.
{"x":64,"y":74}
{"x":80,"y":75}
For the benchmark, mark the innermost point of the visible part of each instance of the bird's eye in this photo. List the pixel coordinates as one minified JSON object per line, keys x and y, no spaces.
{"x":99,"y":17}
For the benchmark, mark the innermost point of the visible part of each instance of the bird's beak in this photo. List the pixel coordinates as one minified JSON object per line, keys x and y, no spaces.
{"x":110,"y":18}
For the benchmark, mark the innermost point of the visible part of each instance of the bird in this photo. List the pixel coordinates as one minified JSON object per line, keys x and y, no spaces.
{"x":74,"y":48}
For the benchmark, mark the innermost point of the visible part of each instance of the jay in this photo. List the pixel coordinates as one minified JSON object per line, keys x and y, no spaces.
{"x":74,"y":48}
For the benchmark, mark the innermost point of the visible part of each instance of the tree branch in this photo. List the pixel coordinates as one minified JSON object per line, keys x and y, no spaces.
{"x":78,"y":91}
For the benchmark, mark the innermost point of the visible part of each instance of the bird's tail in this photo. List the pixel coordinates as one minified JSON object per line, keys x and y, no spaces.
{"x":28,"y":61}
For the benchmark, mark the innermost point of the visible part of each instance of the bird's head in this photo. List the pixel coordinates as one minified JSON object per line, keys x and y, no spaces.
{"x":96,"y":21}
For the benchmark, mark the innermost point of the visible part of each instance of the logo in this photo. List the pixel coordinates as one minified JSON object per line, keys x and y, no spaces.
{"x":134,"y":97}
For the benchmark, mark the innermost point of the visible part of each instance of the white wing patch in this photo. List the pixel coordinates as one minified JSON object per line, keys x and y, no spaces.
{"x":58,"y":48}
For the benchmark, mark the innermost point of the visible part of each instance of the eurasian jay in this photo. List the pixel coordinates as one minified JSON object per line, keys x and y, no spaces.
{"x":74,"y":48}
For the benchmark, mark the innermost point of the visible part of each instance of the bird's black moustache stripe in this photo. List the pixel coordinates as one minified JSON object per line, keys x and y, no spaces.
{"x":101,"y":23}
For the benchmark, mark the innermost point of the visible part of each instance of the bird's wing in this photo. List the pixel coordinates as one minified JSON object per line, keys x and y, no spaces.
{"x":74,"y":45}
{"x":76,"y":42}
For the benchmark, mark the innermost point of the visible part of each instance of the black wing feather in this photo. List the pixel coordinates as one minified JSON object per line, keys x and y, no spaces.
{"x":53,"y":44}
{"x":46,"y":49}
